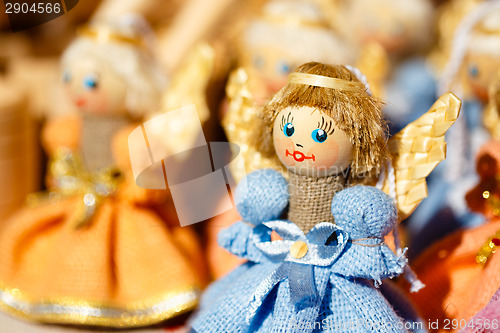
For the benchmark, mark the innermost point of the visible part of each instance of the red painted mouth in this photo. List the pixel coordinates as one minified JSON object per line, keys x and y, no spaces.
{"x":299,"y":156}
{"x":80,"y":102}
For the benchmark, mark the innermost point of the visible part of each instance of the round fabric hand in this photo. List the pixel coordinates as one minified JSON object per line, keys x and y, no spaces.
{"x":262,"y":196}
{"x":367,"y":215}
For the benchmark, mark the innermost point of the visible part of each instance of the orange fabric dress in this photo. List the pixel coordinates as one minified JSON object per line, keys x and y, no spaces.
{"x":457,"y":287}
{"x":128,"y":266}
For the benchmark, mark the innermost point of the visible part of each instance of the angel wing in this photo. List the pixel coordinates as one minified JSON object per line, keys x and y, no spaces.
{"x":374,"y":64}
{"x":238,"y":123}
{"x":190,"y":81}
{"x":417,"y":149}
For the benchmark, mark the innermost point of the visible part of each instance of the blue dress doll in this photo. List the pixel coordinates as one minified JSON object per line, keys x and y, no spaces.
{"x":322,"y":274}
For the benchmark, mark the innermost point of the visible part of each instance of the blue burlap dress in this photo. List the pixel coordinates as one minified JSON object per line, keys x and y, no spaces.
{"x":330,"y":289}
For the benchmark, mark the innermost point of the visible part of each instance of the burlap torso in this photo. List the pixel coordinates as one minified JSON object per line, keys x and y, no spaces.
{"x":97,"y":135}
{"x":311,"y":199}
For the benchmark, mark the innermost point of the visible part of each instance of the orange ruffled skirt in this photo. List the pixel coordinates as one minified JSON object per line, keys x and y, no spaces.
{"x":126,"y":268}
{"x":456,"y":286}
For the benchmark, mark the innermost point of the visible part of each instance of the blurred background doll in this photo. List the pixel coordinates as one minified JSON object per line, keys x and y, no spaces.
{"x":491,"y":115}
{"x":285,"y":34}
{"x":328,"y":133}
{"x":474,"y":61}
{"x":95,"y":250}
{"x":393,"y":37}
{"x":461,"y":270}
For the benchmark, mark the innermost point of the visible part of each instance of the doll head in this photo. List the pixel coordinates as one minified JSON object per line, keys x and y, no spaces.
{"x":475,"y":53}
{"x":398,"y":26}
{"x":286,"y":35}
{"x":108,"y":69}
{"x":324,"y":124}
{"x":482,"y":57}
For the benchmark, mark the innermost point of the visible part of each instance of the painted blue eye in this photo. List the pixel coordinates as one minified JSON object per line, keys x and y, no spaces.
{"x":319,"y":135}
{"x":90,"y":82}
{"x":66,"y":77}
{"x":288,"y":129}
{"x":283,"y":67}
{"x":473,"y":70}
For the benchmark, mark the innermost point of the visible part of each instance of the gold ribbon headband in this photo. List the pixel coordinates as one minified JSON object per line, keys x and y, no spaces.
{"x":325,"y":82}
{"x":295,"y":22}
{"x":104,"y":35}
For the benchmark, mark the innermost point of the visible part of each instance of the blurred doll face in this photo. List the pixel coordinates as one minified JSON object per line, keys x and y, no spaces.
{"x":398,"y":26}
{"x":481,"y":69}
{"x":94,"y":88}
{"x":268,"y":68}
{"x":385,"y":28}
{"x":309,"y":143}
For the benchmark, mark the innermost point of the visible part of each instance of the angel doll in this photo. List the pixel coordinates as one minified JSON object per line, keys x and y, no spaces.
{"x":96,"y":250}
{"x":284,"y":35}
{"x":393,"y":36}
{"x":470,"y":71}
{"x":317,"y":270}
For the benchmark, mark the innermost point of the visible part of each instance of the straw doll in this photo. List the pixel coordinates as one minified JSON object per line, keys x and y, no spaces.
{"x":284,"y":35}
{"x":471,"y":68}
{"x":393,"y":36}
{"x":96,"y":250}
{"x":306,"y":273}
{"x":461,"y":270}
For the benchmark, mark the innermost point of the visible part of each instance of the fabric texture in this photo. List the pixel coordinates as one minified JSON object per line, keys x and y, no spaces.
{"x":457,"y":286}
{"x":262,"y":196}
{"x":488,"y":319}
{"x":310,"y":199}
{"x":130,"y":252}
{"x":328,"y":289}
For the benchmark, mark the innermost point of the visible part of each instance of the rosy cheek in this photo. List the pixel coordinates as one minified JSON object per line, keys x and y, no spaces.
{"x":325,"y":154}
{"x":97,"y":102}
{"x":282,"y":144}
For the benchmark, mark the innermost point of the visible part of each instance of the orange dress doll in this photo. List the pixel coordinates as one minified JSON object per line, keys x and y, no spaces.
{"x":98,"y":250}
{"x":461,"y":272}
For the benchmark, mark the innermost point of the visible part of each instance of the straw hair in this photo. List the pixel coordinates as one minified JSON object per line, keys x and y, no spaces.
{"x":354,"y":112}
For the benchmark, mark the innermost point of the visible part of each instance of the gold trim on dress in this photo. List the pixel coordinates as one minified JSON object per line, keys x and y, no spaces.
{"x":91,"y":313}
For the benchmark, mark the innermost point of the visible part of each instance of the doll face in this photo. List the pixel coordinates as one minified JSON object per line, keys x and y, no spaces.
{"x":396,"y":25}
{"x":384,"y":26}
{"x":308,"y":142}
{"x":93,"y":88}
{"x":481,"y":69}
{"x":269,"y":68}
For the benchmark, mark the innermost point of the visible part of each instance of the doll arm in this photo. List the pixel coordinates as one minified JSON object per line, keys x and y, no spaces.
{"x":262,"y":196}
{"x":240,"y":240}
{"x":367,"y":215}
{"x":374,"y":263}
{"x":61,"y":132}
